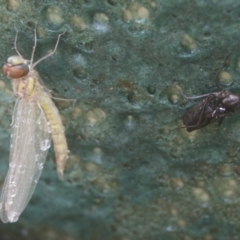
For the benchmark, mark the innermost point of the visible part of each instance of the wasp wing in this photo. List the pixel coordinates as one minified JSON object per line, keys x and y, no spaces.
{"x":30,"y":141}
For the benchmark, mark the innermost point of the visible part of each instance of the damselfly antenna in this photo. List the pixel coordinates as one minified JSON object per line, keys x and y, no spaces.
{"x":32,"y":65}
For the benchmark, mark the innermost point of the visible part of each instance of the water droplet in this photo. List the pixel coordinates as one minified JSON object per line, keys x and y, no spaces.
{"x":52,"y":17}
{"x":29,"y":121}
{"x":80,"y":73}
{"x":13,"y":216}
{"x":37,"y":157}
{"x":225,"y":79}
{"x":97,"y":154}
{"x":130,"y":122}
{"x":12,"y":165}
{"x":12,"y":191}
{"x":173,"y":93}
{"x":78,"y":23}
{"x":40,"y":166}
{"x":45,"y":145}
{"x":188,"y":43}
{"x":21,"y":169}
{"x":16,"y":124}
{"x":12,"y":180}
{"x":101,"y":22}
{"x":49,"y":130}
{"x":169,"y":228}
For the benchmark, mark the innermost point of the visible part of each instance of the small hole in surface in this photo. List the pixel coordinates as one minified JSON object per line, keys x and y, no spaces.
{"x":207,"y":34}
{"x":228,"y":10}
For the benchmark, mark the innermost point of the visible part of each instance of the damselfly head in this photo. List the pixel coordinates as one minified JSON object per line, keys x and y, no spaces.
{"x":16,"y":67}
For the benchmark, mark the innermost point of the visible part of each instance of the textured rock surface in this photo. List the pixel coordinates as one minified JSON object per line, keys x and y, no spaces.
{"x":128,"y":176}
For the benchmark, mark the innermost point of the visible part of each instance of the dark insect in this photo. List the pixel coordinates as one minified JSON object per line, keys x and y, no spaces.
{"x":214,"y":107}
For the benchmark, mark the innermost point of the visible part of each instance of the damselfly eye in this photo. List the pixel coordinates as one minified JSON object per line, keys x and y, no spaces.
{"x":15,"y":71}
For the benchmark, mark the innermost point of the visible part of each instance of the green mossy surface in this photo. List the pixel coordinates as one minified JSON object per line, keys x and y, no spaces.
{"x":129,"y":177}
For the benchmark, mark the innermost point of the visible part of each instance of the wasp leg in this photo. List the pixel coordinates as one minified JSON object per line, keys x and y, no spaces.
{"x":221,"y":120}
{"x":193,"y":97}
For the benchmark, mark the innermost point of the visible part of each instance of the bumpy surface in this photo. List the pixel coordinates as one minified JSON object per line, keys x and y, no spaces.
{"x":129,"y":176}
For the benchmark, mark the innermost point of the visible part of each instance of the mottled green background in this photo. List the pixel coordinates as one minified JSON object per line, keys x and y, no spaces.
{"x":129,"y":176}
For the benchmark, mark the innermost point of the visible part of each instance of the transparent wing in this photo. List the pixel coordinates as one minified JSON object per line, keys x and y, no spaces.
{"x":30,"y":141}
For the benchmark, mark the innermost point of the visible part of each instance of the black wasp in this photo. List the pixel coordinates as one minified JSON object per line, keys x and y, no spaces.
{"x":213,"y":107}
